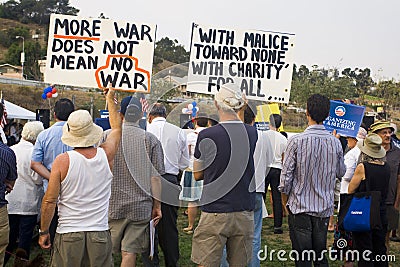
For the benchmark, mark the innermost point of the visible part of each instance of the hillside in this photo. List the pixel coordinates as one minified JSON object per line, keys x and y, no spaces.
{"x":40,"y":31}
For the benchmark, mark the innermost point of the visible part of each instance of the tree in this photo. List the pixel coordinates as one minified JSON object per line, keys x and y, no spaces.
{"x":167,"y":49}
{"x":35,"y":11}
{"x":390,"y":92}
{"x":33,"y":52}
{"x":361,"y":79}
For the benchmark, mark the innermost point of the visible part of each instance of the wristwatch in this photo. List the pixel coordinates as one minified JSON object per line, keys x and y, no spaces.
{"x":45,"y":232}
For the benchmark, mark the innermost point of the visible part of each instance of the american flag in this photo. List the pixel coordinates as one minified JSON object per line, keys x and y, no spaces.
{"x":145,"y":104}
{"x":4,"y":117}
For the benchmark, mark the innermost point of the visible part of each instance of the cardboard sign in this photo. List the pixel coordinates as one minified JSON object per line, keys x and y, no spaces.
{"x":259,"y":62}
{"x":344,"y":118}
{"x":91,"y":52}
{"x":262,"y":116}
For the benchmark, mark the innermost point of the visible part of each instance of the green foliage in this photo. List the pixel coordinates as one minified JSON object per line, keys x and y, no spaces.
{"x":323,"y":81}
{"x":167,"y":49}
{"x":33,"y":52}
{"x":8,"y":37}
{"x":390,"y":92}
{"x":35,"y":11}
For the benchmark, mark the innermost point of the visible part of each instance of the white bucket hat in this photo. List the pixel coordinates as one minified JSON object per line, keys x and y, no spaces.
{"x":80,"y":131}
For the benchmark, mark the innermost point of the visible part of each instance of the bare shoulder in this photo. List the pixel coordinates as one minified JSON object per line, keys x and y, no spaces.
{"x":61,"y":162}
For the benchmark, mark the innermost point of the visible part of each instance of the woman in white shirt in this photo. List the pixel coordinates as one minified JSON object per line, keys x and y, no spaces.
{"x":191,"y":189}
{"x":24,"y":200}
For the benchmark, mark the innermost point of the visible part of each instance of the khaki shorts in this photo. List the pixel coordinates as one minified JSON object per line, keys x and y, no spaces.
{"x":215,"y":230}
{"x":4,"y":231}
{"x":82,"y":249}
{"x":129,"y":236}
{"x":392,"y":217}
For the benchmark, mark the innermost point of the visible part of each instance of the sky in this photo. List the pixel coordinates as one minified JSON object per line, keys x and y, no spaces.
{"x":330,"y":34}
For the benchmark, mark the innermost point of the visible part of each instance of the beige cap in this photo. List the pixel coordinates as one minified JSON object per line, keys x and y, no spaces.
{"x":80,"y":131}
{"x":231,"y":96}
{"x":372,"y":146}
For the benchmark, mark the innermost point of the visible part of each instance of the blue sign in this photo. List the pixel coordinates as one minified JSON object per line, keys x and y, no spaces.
{"x":344,"y":118}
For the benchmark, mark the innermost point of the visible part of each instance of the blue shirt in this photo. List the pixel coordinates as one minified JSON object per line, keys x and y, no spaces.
{"x":8,"y":170}
{"x":48,"y":146}
{"x":226,"y":152}
{"x":312,"y":161}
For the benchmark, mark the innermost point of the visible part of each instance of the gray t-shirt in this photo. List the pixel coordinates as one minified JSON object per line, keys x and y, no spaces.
{"x":393,"y":160}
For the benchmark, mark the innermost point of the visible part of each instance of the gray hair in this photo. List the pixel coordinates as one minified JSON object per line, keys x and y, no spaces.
{"x":31,"y":130}
{"x":365,"y":158}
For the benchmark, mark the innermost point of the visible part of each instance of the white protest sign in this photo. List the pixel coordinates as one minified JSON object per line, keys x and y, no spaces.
{"x":91,"y":52}
{"x":259,"y":62}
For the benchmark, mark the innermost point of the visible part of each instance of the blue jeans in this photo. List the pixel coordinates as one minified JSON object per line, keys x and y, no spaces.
{"x":21,"y":229}
{"x":309,"y":233}
{"x":255,"y":262}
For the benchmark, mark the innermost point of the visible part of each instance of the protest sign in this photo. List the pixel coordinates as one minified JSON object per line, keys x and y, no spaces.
{"x":91,"y":52}
{"x":259,"y":62}
{"x":344,"y":118}
{"x":262,"y":116}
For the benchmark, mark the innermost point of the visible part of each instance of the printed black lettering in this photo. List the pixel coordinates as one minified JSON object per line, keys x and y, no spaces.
{"x":120,"y":47}
{"x":110,"y":79}
{"x":146,"y":32}
{"x":57,"y":45}
{"x":57,"y":60}
{"x":125,"y":80}
{"x":62,"y":24}
{"x":76,"y":27}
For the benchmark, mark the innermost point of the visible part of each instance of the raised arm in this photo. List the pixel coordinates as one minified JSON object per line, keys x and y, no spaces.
{"x":111,"y":144}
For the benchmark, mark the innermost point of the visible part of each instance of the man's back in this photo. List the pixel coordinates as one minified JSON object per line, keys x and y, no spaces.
{"x":227,"y":153}
{"x":138,"y":158}
{"x":174,"y":144}
{"x":84,"y":194}
{"x":313,"y":159}
{"x":8,"y":170}
{"x":48,"y":145}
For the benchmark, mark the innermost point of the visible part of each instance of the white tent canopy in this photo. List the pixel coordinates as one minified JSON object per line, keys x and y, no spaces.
{"x":17,"y":112}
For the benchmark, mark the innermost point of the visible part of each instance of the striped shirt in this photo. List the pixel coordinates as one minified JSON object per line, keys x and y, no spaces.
{"x":313,"y":160}
{"x":8,"y":170}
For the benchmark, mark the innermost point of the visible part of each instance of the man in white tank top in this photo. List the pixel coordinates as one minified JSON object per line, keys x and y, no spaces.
{"x":81,"y":182}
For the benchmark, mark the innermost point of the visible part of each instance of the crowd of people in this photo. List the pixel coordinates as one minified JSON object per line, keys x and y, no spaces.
{"x":99,"y":193}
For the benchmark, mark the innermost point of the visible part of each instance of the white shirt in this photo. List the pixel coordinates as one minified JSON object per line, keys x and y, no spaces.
{"x":350,"y":160}
{"x":84,"y":194}
{"x":3,"y":136}
{"x":174,"y":144}
{"x":191,"y":140}
{"x":278,"y":143}
{"x":28,"y":189}
{"x":263,"y":157}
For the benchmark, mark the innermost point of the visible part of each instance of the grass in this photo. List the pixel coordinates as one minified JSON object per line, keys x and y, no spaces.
{"x":269,"y":241}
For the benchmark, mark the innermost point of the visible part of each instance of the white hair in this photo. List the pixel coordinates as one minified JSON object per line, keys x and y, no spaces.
{"x":31,"y":130}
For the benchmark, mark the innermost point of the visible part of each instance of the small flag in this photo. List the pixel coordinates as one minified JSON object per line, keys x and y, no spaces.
{"x":4,"y":117}
{"x":145,"y":104}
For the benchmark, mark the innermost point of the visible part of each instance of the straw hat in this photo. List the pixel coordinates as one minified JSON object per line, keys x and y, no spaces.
{"x":80,"y":131}
{"x":379,"y":125}
{"x":372,"y":146}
